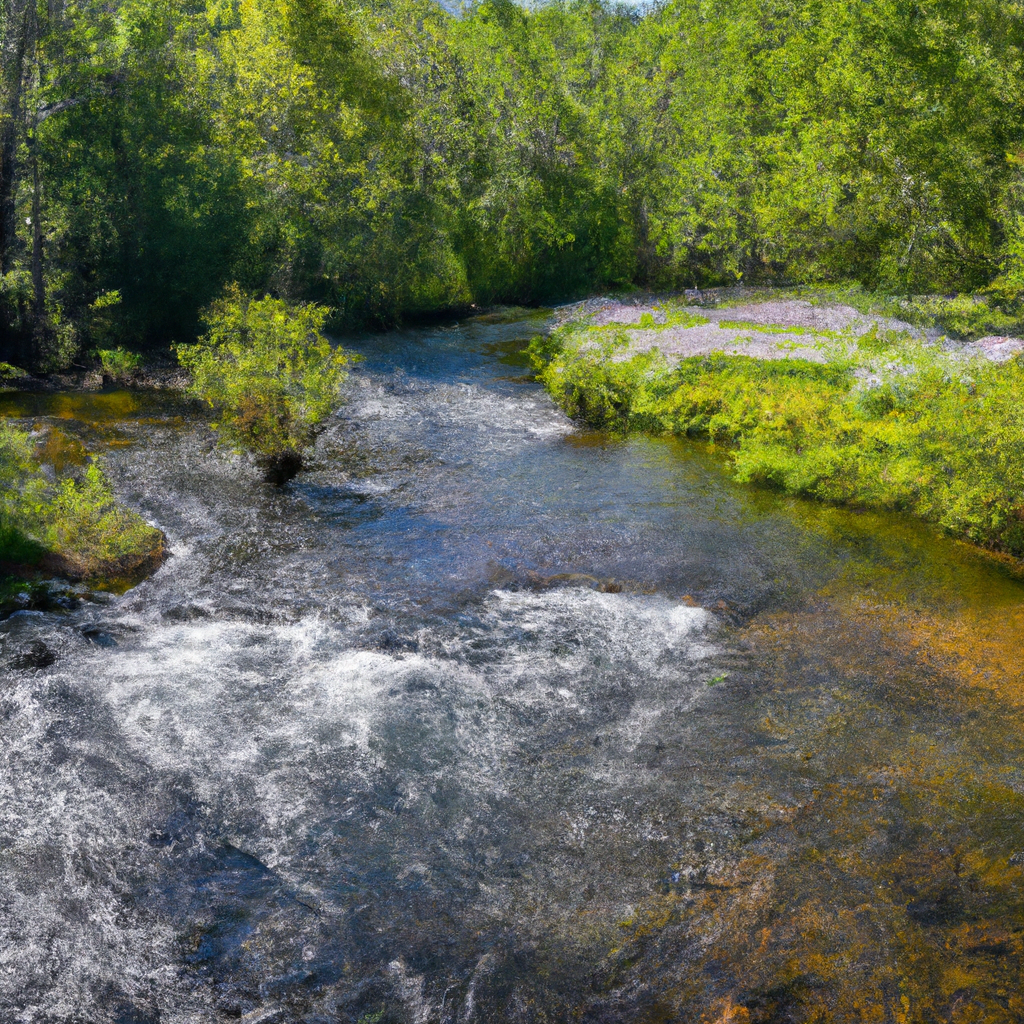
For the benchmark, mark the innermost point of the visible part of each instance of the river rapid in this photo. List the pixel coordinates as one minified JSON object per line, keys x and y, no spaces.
{"x":488,"y":718}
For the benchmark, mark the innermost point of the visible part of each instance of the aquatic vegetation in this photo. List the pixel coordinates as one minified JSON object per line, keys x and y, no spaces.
{"x":883,"y":882}
{"x":67,"y":521}
{"x":272,"y":376}
{"x":887,"y":423}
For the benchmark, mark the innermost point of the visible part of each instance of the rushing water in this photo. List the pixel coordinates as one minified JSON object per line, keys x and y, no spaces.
{"x":489,"y":718}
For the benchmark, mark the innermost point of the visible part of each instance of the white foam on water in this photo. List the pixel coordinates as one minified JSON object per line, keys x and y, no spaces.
{"x":67,"y":935}
{"x":473,"y":415}
{"x":269,"y":724}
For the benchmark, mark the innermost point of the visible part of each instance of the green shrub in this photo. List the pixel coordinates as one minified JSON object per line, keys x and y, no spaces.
{"x":10,"y":373}
{"x":103,"y":320}
{"x":272,"y":376}
{"x":965,"y":316}
{"x":22,"y":488}
{"x":119,"y":363}
{"x":86,"y":529}
{"x":72,"y":525}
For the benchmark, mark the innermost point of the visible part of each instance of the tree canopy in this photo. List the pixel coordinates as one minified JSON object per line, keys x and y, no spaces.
{"x":390,"y":158}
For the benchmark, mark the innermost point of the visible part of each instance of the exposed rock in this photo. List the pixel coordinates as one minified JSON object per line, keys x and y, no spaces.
{"x":279,"y":469}
{"x":998,"y":349}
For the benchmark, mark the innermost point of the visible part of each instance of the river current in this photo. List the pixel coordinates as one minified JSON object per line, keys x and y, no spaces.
{"x":487,"y":717}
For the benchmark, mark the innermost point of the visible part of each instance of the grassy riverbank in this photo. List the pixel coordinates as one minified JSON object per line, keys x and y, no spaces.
{"x":879,"y":419}
{"x":58,"y":516}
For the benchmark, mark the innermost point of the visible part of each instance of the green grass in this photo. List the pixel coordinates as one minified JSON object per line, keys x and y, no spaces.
{"x":888,"y":423}
{"x":671,"y":316}
{"x":746,"y":325}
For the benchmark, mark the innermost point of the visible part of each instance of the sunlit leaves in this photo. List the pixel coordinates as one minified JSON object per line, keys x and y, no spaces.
{"x":267,"y":369}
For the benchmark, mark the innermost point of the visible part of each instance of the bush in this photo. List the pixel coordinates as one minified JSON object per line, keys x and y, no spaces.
{"x":10,"y":373}
{"x":85,"y":531}
{"x":272,"y":376}
{"x":22,"y":487}
{"x":72,"y":525}
{"x":118,"y":363}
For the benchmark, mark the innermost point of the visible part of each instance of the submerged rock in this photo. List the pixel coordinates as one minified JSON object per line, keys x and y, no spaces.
{"x":279,"y":469}
{"x":34,"y":655}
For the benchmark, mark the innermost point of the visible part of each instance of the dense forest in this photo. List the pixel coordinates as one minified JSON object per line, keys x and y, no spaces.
{"x":394,"y":158}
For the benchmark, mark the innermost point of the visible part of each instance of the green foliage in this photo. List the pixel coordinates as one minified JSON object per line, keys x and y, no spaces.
{"x":745,"y":325}
{"x":966,"y":316}
{"x":103,"y":323}
{"x":679,"y":316}
{"x":389,"y":158}
{"x":897,"y":426}
{"x":10,"y":373}
{"x":22,"y":488}
{"x":83,"y":524}
{"x":72,"y":524}
{"x":119,"y":363}
{"x":267,"y":369}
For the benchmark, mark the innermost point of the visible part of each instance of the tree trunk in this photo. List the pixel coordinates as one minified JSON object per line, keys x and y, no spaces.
{"x":17,"y":42}
{"x":12,"y":76}
{"x":38,"y":283}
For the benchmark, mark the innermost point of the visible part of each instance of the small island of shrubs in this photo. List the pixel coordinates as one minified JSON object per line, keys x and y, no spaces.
{"x":64,"y":522}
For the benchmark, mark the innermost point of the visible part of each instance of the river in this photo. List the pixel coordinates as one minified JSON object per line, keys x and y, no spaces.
{"x":490,"y":718}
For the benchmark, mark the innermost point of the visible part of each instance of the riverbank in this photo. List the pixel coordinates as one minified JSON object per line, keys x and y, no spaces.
{"x":812,"y":398}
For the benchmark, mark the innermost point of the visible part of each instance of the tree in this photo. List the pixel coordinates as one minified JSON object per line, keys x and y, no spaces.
{"x":272,"y":376}
{"x":389,"y":159}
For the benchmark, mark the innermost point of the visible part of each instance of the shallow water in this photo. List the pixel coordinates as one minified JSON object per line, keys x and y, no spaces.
{"x":489,"y":718}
